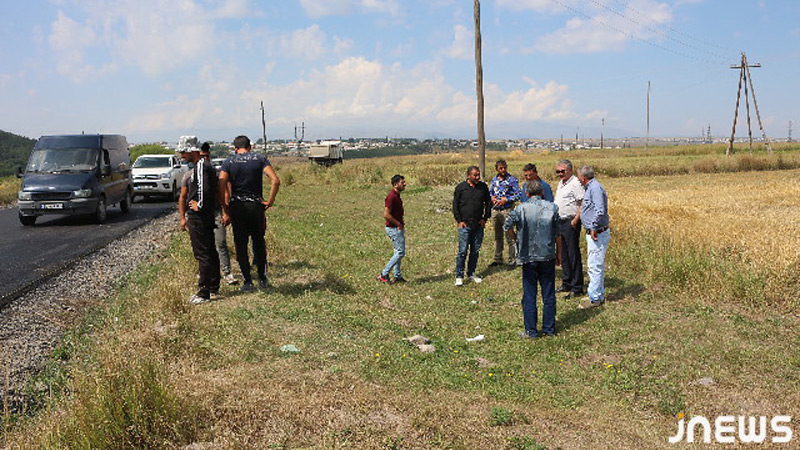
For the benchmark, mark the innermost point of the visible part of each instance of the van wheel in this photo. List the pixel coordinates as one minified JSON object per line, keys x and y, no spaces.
{"x":27,"y":220}
{"x":173,"y":197}
{"x":125,"y":204}
{"x":101,"y":213}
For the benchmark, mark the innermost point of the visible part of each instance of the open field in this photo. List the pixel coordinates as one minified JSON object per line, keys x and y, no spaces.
{"x":702,"y":278}
{"x":9,"y":187}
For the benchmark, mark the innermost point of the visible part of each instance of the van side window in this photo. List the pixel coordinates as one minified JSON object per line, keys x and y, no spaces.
{"x":106,"y":161}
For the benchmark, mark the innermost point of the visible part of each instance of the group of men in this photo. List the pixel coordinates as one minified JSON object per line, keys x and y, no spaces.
{"x":212,"y":200}
{"x":538,"y":230}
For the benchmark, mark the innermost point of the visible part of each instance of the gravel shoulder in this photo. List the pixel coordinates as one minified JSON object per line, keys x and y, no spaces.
{"x":32,"y":325}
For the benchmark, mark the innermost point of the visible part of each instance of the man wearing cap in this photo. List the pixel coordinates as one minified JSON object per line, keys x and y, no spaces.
{"x":569,"y":195}
{"x":199,"y":194}
{"x":246,"y":207}
{"x":594,"y":217}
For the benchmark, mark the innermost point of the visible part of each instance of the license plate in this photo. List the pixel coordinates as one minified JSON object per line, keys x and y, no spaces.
{"x":52,"y":206}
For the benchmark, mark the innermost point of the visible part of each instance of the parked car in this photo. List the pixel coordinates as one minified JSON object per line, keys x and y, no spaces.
{"x":75,"y":174}
{"x":158,"y":175}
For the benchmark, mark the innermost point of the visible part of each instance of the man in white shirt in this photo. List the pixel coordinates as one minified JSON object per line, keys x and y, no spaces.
{"x":568,"y":198}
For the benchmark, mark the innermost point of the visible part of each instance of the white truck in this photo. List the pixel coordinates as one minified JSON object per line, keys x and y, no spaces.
{"x":326,"y":153}
{"x":158,"y":175}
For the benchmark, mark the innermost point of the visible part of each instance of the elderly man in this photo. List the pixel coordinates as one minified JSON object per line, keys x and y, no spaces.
{"x":504,"y":192}
{"x":594,"y":217}
{"x":569,"y":195}
{"x":531,"y":174}
{"x":536,"y":222}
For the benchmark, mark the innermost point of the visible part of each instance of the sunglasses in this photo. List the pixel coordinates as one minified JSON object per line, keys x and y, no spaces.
{"x":561,"y":171}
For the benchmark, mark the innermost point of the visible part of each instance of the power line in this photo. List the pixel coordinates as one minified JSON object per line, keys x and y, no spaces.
{"x":632,"y":36}
{"x":654,"y":30}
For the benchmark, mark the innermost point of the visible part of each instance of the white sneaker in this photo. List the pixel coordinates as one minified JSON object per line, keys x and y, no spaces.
{"x":459,"y":281}
{"x":475,"y":279}
{"x":196,"y":299}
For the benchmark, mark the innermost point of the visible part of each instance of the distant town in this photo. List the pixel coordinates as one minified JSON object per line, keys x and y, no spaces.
{"x":373,"y":147}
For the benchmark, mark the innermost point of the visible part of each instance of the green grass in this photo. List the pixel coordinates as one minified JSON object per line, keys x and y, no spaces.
{"x":9,"y":187}
{"x":614,"y":377}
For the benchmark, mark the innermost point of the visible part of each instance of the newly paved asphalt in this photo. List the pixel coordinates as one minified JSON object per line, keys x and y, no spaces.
{"x":29,"y":253}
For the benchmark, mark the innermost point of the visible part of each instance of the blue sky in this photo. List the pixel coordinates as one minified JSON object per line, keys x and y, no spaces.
{"x":158,"y":69}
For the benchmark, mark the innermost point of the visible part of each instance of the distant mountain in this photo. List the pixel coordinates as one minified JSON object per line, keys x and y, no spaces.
{"x":14,"y":152}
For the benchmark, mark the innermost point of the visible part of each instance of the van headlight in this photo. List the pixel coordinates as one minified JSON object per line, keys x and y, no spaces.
{"x":82,"y":193}
{"x":24,"y":196}
{"x":165,"y":175}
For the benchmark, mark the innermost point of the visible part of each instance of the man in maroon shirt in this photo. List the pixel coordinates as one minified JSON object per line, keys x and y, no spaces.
{"x":395,"y":229}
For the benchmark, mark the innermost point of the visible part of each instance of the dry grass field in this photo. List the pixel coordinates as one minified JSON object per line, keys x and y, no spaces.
{"x":702,"y":283}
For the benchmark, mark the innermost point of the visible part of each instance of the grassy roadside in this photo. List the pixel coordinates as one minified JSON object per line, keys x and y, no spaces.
{"x":9,"y":187}
{"x":609,"y":379}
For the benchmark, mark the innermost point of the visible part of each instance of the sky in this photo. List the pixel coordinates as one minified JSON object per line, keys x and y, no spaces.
{"x":158,"y":69}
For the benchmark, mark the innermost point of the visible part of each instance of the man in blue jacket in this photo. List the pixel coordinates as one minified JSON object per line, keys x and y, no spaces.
{"x":536,"y":222}
{"x":505,"y":193}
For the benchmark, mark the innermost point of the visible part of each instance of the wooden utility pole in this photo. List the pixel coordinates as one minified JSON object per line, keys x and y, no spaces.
{"x":747,"y":80}
{"x":647,"y":136}
{"x":263,"y":127}
{"x":479,"y":88}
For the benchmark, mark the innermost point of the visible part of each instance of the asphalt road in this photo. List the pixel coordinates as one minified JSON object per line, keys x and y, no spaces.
{"x":29,"y":253}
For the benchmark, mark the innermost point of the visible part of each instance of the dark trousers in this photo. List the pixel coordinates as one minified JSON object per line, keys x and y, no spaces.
{"x":571,"y":264}
{"x":543,"y":273}
{"x":247,"y":219}
{"x":201,"y":233}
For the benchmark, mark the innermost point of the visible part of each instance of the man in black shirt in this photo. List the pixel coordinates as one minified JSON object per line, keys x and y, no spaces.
{"x":246,"y":207}
{"x":198,"y":200}
{"x":472,"y":207}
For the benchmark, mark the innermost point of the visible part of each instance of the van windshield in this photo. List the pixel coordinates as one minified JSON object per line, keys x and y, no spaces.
{"x":150,"y":162}
{"x":62,"y":160}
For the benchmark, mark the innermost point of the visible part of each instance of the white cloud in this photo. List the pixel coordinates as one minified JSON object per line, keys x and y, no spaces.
{"x":342,"y":45}
{"x":355,"y":92}
{"x":463,"y":45}
{"x":319,"y":8}
{"x":535,"y":5}
{"x":607,"y":30}
{"x":235,"y":9}
{"x":308,"y":43}
{"x":69,"y":40}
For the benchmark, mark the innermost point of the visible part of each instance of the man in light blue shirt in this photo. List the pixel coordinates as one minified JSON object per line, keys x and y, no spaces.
{"x":536,"y":222}
{"x":530,"y":173}
{"x":594,"y":218}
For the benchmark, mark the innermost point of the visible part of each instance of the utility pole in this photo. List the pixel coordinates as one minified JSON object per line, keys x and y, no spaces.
{"x":479,"y":88}
{"x":299,"y":140}
{"x":790,"y":132}
{"x":602,"y":128}
{"x":647,"y":137}
{"x":263,"y":127}
{"x":744,"y":77}
{"x":708,"y":135}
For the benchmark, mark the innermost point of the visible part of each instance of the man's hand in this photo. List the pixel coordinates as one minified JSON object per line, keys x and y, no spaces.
{"x":482,"y":223}
{"x":558,"y":259}
{"x":183,"y":223}
{"x":194,"y":206}
{"x":401,"y":227}
{"x":574,"y":222}
{"x":502,"y":201}
{"x":462,"y":224}
{"x":593,"y":233}
{"x":226,"y":219}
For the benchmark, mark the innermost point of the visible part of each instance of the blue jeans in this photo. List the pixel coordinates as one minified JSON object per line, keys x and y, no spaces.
{"x":398,"y":238}
{"x":468,"y":238}
{"x":596,"y":262}
{"x":543,"y":273}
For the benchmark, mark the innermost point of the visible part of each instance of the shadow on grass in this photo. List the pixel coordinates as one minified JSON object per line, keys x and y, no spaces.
{"x":432,"y":278}
{"x":292,"y":265}
{"x":576,"y":317}
{"x":486,"y":272}
{"x":622,"y":289}
{"x":328,"y":283}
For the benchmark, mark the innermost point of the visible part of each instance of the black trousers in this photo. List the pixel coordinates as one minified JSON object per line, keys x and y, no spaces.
{"x":247,"y":219}
{"x":571,"y":263}
{"x":201,"y":233}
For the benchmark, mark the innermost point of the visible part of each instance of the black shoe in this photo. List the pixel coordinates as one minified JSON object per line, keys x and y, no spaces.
{"x":399,"y":280}
{"x":562,"y":289}
{"x":495,"y":264}
{"x":526,"y":335}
